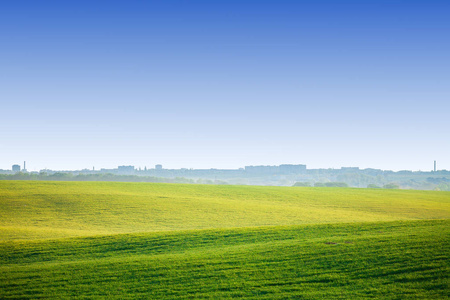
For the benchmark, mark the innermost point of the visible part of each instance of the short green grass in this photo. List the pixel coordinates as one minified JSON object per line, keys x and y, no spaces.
{"x":169,"y":241}
{"x":402,"y":259}
{"x":30,"y":210}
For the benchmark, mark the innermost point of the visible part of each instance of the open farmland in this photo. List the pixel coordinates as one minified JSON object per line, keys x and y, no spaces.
{"x":131,"y":240}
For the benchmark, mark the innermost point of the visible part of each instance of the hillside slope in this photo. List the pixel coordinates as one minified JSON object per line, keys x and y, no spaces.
{"x":402,"y":259}
{"x":35,"y":209}
{"x":151,"y":241}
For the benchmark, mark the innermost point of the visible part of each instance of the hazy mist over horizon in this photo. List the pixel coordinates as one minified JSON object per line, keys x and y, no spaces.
{"x":32,"y":168}
{"x":225,"y":84}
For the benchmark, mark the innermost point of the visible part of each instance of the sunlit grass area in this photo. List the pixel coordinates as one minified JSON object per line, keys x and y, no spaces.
{"x":378,"y":260}
{"x":173,"y":241}
{"x":30,"y":210}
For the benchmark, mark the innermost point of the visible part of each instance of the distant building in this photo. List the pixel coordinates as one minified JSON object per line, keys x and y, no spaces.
{"x":16,"y":168}
{"x":261,"y":170}
{"x":125,"y":170}
{"x":158,"y":167}
{"x":404,"y":172}
{"x":349,"y":169}
{"x":282,"y":169}
{"x":289,"y":169}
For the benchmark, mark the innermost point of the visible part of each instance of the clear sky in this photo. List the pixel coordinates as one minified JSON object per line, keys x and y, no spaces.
{"x":224,"y":84}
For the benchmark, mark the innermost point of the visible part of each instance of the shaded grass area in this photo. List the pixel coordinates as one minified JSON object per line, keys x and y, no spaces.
{"x":39,"y":210}
{"x":402,"y":259}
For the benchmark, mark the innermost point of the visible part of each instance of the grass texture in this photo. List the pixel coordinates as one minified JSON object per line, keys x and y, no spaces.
{"x":170,"y":241}
{"x":30,"y":210}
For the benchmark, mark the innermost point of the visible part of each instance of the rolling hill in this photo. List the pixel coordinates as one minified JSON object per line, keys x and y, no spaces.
{"x":141,"y":240}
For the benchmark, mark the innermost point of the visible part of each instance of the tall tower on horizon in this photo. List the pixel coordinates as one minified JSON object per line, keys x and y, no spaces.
{"x":435,"y":166}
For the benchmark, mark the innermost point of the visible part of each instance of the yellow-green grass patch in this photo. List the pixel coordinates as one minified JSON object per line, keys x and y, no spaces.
{"x":384,"y":260}
{"x":36,"y":210}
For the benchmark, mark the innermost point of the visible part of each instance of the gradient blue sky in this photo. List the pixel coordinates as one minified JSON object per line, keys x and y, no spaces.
{"x":224,"y":84}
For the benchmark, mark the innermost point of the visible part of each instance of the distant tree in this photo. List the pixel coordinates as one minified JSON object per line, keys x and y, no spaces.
{"x":330,"y":184}
{"x":391,"y":186}
{"x":336,"y":184}
{"x":355,"y":179}
{"x":373,"y":186}
{"x":204,"y":181}
{"x":302,"y":184}
{"x":60,"y":176}
{"x":220,"y":182}
{"x":444,"y":187}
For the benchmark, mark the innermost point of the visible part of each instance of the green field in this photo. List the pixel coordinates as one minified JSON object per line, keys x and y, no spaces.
{"x":144,"y":240}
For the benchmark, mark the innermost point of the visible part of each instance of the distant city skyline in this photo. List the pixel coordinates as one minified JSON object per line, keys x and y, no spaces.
{"x":224,"y":84}
{"x":274,"y":175}
{"x":19,"y":167}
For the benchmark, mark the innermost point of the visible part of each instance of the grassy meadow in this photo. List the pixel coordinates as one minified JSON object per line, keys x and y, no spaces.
{"x":145,"y":240}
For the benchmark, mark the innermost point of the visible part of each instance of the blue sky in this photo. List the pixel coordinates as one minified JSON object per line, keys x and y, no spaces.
{"x":224,"y":84}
